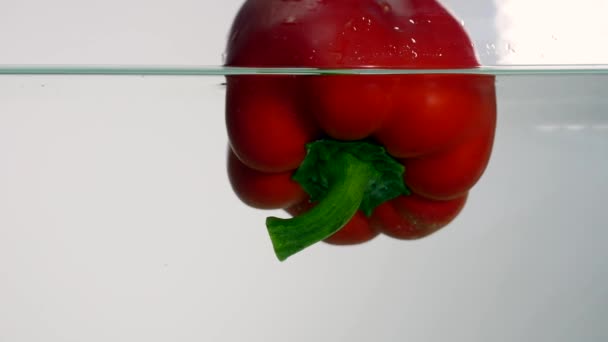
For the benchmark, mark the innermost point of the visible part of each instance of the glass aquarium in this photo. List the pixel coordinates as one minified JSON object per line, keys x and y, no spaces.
{"x":119,"y":219}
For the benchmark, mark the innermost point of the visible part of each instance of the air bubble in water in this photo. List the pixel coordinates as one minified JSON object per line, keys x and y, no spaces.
{"x":290,"y":20}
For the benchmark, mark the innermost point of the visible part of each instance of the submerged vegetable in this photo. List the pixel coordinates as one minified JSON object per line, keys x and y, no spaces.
{"x":354,"y":155}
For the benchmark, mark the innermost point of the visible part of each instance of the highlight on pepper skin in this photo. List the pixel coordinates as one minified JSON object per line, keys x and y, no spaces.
{"x":424,"y":140}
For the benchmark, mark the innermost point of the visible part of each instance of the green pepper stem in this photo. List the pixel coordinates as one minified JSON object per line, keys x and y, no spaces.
{"x":346,"y":191}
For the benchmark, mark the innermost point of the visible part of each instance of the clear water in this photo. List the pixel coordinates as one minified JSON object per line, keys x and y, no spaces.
{"x":117,"y":223}
{"x":151,"y":70}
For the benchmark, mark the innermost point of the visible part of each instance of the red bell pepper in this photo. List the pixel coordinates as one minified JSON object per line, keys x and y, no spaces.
{"x":354,"y":155}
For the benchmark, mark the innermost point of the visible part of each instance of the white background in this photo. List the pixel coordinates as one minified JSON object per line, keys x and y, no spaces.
{"x":117,"y":222}
{"x":188,"y":32}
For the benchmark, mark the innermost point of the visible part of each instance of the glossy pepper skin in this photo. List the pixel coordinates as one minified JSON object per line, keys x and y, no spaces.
{"x":439,"y":126}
